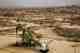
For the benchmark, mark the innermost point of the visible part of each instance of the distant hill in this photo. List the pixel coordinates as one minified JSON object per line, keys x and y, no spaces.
{"x":14,"y":11}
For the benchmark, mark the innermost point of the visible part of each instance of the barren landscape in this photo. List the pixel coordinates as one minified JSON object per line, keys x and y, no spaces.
{"x":51,"y":23}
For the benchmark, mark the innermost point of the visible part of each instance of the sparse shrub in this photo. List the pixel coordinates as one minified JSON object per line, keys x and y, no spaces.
{"x":27,"y":36}
{"x":72,"y":35}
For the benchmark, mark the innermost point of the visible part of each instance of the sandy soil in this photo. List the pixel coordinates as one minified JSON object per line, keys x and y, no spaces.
{"x":46,"y":23}
{"x":55,"y":45}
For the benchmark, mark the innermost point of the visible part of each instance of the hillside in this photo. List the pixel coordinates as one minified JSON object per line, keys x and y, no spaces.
{"x":50,"y":23}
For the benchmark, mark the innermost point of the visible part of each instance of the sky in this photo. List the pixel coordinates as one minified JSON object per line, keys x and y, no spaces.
{"x":38,"y":3}
{"x":7,"y":3}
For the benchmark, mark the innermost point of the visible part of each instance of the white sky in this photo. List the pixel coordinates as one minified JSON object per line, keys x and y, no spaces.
{"x":7,"y":3}
{"x":38,"y":3}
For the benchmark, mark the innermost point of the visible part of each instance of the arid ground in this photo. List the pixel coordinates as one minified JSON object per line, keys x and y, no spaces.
{"x":50,"y":23}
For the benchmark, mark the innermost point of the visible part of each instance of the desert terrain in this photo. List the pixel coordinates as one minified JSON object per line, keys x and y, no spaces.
{"x":50,"y":23}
